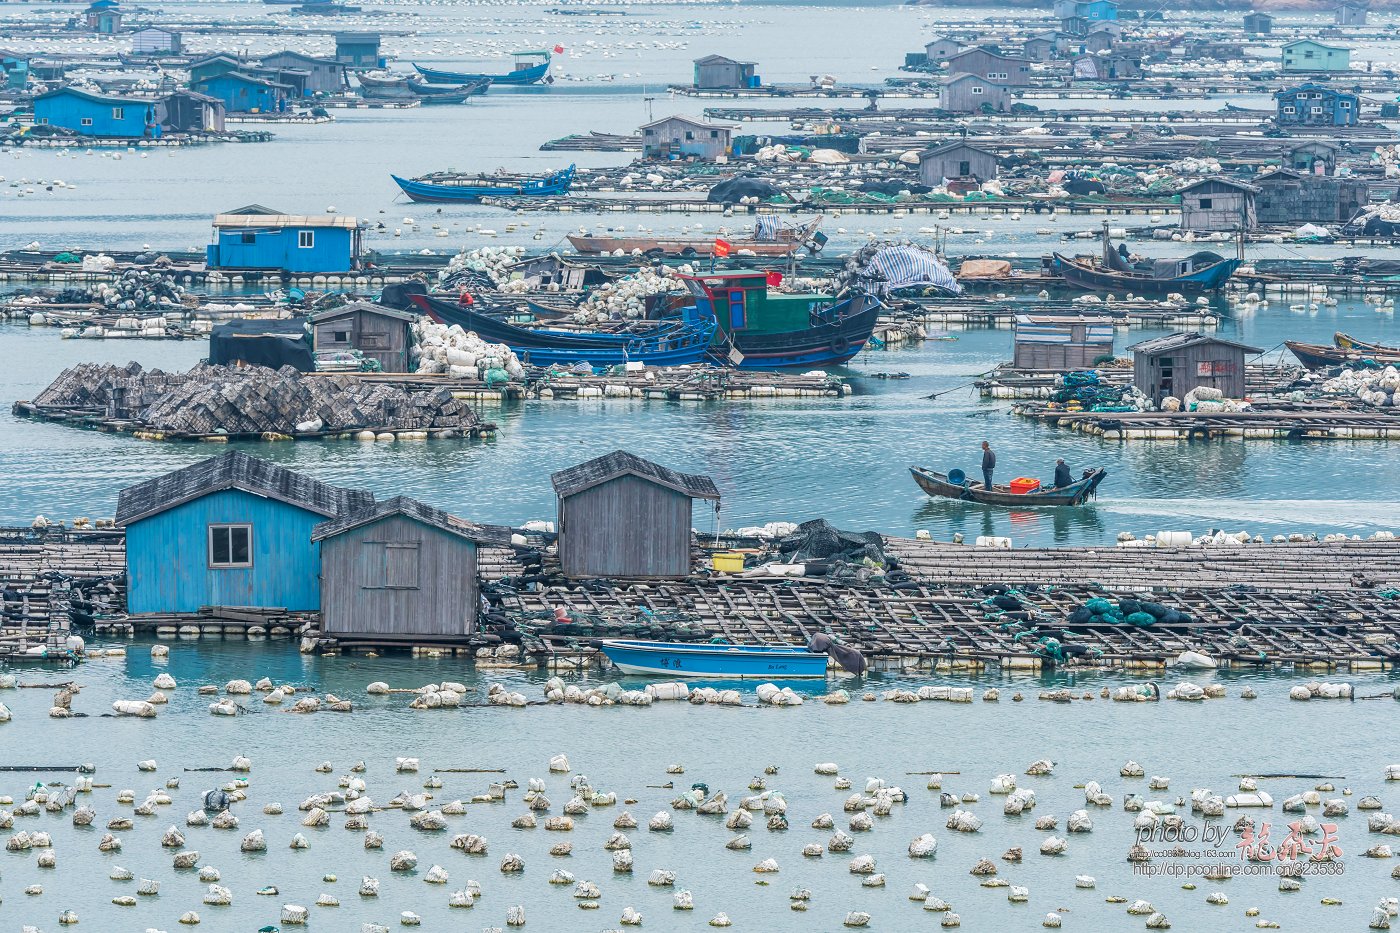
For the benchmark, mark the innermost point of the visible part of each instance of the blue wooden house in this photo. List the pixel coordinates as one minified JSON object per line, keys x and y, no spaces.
{"x":246,"y":93}
{"x":232,"y":531}
{"x":1317,"y":105}
{"x":258,"y":238}
{"x":103,"y":17}
{"x":1311,"y":55}
{"x":92,"y":114}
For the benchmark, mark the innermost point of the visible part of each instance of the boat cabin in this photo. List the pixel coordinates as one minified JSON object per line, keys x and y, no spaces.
{"x":623,"y":516}
{"x":740,"y":302}
{"x":1176,"y":364}
{"x":1062,"y":343}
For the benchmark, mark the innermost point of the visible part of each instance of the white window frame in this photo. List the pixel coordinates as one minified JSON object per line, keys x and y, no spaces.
{"x":306,"y":239}
{"x":118,"y":113}
{"x":85,"y":121}
{"x":228,"y":528}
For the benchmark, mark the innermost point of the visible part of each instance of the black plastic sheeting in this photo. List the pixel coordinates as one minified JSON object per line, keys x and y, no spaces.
{"x":273,"y":344}
{"x":849,"y":658}
{"x":820,"y":540}
{"x":893,"y":186}
{"x":731,"y":190}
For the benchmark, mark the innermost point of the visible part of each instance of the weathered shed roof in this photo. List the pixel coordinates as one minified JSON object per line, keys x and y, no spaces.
{"x":585,"y":476}
{"x":1183,"y":339}
{"x":497,"y":535}
{"x":692,"y":121}
{"x":331,"y":314}
{"x":953,"y":146}
{"x":300,"y":56}
{"x":236,"y":470}
{"x":1219,"y":180}
{"x":247,"y":221}
{"x":720,"y":60}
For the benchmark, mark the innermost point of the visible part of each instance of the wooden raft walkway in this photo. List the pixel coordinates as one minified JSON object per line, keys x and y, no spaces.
{"x":1270,"y":424}
{"x":42,"y":571}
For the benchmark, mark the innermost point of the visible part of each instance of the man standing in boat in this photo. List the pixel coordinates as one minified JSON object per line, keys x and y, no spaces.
{"x":989,"y":463}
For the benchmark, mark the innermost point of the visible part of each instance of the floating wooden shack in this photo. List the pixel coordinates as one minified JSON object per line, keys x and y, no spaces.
{"x":623,"y":516}
{"x":233,"y":530}
{"x":1062,"y":343}
{"x":401,"y":570}
{"x":378,"y":332}
{"x":1177,"y":363}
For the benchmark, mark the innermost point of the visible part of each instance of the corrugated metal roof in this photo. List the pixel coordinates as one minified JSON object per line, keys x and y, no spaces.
{"x":1185,"y":339}
{"x":236,"y":470}
{"x":576,"y":479}
{"x":496,"y":535}
{"x":243,"y":221}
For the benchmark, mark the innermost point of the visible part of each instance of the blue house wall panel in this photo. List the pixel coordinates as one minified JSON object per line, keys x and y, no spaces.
{"x":331,"y":249}
{"x":167,"y":557}
{"x":243,"y":95}
{"x":90,"y":115}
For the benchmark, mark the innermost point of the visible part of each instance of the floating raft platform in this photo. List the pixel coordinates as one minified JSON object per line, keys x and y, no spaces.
{"x":1008,"y":382}
{"x":1002,"y":313}
{"x":1292,"y":424}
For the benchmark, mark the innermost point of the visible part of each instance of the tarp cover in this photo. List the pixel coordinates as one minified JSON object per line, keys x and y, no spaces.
{"x":273,"y":344}
{"x":731,"y":190}
{"x":819,"y":540}
{"x":984,"y":269}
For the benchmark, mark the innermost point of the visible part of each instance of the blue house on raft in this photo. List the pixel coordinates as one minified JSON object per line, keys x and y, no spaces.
{"x":92,"y":114}
{"x":245,"y":93}
{"x":232,"y":531}
{"x":256,"y":237}
{"x":1317,"y":105}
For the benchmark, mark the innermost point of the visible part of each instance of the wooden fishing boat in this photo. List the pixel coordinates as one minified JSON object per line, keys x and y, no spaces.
{"x":785,"y":243}
{"x":385,"y":80}
{"x":1200,"y":272}
{"x":449,"y":95}
{"x":452,"y":187}
{"x":760,"y":329}
{"x":530,"y":68}
{"x":1321,"y":356}
{"x":1348,"y":342}
{"x":726,"y":662}
{"x":677,"y":342}
{"x":956,"y":487}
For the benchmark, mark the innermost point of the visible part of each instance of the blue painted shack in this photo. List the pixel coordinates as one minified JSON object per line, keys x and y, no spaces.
{"x":92,"y":114}
{"x":103,"y":17}
{"x":245,"y":93}
{"x":1317,"y":105}
{"x":14,"y":70}
{"x":258,"y":238}
{"x":231,"y":531}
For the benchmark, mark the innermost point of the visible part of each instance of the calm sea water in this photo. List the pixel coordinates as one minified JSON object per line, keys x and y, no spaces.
{"x":627,"y":751}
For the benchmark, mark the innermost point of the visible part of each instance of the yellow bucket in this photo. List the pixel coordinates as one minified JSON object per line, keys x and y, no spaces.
{"x":727,"y":561}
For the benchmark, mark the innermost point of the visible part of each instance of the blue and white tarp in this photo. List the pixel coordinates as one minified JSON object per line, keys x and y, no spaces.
{"x":903,"y":266}
{"x":766,"y":227}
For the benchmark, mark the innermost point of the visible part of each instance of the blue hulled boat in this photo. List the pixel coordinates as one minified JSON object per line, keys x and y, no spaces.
{"x":530,"y":68}
{"x":450,"y":187}
{"x":1202,"y":271}
{"x":676,"y":342}
{"x":727,"y":662}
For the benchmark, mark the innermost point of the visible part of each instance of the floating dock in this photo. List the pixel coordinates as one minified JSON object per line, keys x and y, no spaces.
{"x":1291,"y":424}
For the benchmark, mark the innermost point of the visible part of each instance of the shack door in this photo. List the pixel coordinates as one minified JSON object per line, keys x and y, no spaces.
{"x":738,"y":320}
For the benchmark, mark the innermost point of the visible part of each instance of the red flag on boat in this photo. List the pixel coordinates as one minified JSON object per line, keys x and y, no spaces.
{"x":722,"y":247}
{"x":775,"y":278}
{"x":558,"y":50}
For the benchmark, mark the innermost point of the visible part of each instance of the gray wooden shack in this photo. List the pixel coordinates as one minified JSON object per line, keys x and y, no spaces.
{"x":623,"y":516}
{"x":1290,"y":197}
{"x":401,"y":569}
{"x":1218,"y":204}
{"x":716,"y":72}
{"x":681,"y":137}
{"x":985,"y":63}
{"x":1350,"y":14}
{"x":1305,"y":157}
{"x":1259,"y":23}
{"x":1177,"y":363}
{"x":956,"y":160}
{"x":1062,"y":342}
{"x":966,"y":93}
{"x":323,"y":75}
{"x":939,"y":49}
{"x":379,"y":332}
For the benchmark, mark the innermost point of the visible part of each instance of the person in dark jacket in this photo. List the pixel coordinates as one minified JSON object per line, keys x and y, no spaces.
{"x":989,"y":463}
{"x":1062,"y":475}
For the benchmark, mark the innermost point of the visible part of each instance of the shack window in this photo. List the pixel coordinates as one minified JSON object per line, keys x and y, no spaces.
{"x":230,"y":546}
{"x":1206,"y":203}
{"x":689,"y":135}
{"x":714,"y":134}
{"x":977,"y":89}
{"x":1289,"y":109}
{"x":340,"y":336}
{"x":964,"y":168}
{"x":306,"y":239}
{"x":118,"y":113}
{"x":401,"y":566}
{"x":86,"y":121}
{"x":249,"y":238}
